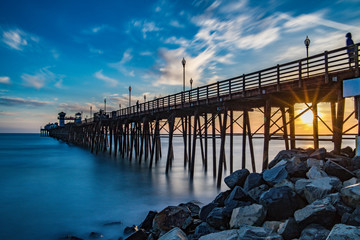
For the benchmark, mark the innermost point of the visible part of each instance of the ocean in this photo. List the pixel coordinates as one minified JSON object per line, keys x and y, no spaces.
{"x":50,"y":189}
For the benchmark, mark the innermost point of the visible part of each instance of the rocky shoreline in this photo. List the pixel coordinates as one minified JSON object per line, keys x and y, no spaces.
{"x":305,"y":194}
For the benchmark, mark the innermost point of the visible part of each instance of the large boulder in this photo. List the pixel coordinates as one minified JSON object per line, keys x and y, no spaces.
{"x":217,"y":219}
{"x":334,"y":169}
{"x":350,"y":182}
{"x":344,"y":232}
{"x":273,"y":225}
{"x":205,"y":210}
{"x":289,"y":229}
{"x":256,"y":192}
{"x":239,"y":194}
{"x":321,"y":187}
{"x":192,"y":207}
{"x":237,"y":178}
{"x":315,"y":172}
{"x":280,"y":203}
{"x":174,"y":234}
{"x":320,"y":212}
{"x":319,"y":154}
{"x":138,"y":235}
{"x":352,"y":218}
{"x":203,"y":229}
{"x":245,"y":232}
{"x":275,"y":174}
{"x":284,"y":183}
{"x":351,"y":195}
{"x":310,"y":162}
{"x":250,"y":215}
{"x":288,"y":154}
{"x":314,"y":232}
{"x":296,"y":167}
{"x":228,"y":209}
{"x":300,"y":185}
{"x":221,"y":197}
{"x":171,"y":217}
{"x":253,"y":180}
{"x":148,"y":221}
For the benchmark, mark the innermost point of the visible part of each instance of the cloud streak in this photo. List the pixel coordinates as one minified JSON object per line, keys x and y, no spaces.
{"x":18,"y":39}
{"x":13,"y":101}
{"x":5,"y":80}
{"x":43,"y":77}
{"x":108,"y":80}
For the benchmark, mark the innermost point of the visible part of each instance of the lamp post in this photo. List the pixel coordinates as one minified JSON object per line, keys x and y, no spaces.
{"x":307,"y":44}
{"x":191,"y":82}
{"x":105,"y":106}
{"x":90,"y":111}
{"x":144,"y":98}
{"x":183,"y":63}
{"x":129,"y":96}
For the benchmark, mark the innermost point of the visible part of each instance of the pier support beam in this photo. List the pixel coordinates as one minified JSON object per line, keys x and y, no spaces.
{"x":267,"y":115}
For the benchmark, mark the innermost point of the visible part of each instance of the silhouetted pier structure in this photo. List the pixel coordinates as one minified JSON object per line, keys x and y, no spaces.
{"x":208,"y":112}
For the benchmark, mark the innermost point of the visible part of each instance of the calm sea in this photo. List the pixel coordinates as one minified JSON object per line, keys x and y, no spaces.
{"x":51,"y":189}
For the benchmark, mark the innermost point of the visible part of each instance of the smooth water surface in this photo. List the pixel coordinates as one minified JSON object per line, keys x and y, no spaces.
{"x":50,"y":189}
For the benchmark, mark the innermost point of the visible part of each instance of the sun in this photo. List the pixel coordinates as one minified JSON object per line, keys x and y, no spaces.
{"x":307,"y":117}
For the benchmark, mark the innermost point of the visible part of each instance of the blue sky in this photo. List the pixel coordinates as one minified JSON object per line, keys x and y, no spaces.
{"x":69,"y":55}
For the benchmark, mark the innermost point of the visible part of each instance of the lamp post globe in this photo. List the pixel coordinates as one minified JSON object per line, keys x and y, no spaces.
{"x":191,"y":82}
{"x":307,"y":44}
{"x":129,"y":96}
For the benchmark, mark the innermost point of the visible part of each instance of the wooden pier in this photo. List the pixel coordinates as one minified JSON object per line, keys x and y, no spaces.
{"x":213,"y":111}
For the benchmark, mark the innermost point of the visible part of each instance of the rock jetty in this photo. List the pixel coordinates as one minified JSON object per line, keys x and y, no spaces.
{"x":305,"y":194}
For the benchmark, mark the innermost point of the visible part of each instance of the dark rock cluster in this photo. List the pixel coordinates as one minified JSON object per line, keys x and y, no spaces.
{"x":305,"y":194}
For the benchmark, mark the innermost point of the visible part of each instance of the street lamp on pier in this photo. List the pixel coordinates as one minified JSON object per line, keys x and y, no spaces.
{"x":129,"y":96}
{"x":144,"y":98}
{"x":307,"y":44}
{"x":191,"y":82}
{"x":183,"y":63}
{"x":90,"y":111}
{"x":105,"y":105}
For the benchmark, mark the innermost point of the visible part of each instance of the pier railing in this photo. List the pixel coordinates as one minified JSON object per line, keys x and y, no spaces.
{"x":318,"y":65}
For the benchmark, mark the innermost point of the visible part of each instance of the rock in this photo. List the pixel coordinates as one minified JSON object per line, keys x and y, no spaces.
{"x":252,"y":181}
{"x":320,"y":188}
{"x":350,"y":182}
{"x":245,"y":232}
{"x":334,"y":169}
{"x":223,"y":235}
{"x":289,"y":229}
{"x":356,"y":162}
{"x":217,"y":219}
{"x":310,"y":162}
{"x":300,"y":186}
{"x":275,"y":174}
{"x":250,"y":215}
{"x":287,"y":183}
{"x":352,"y":218}
{"x":192,"y":207}
{"x":130,"y":230}
{"x":319,"y":154}
{"x":272,"y":225}
{"x":138,"y":235}
{"x":256,"y":192}
{"x":220,"y":199}
{"x":344,"y":232}
{"x":320,"y":212}
{"x":315,"y":172}
{"x":357,"y":173}
{"x":341,"y":207}
{"x":228,"y":209}
{"x":237,"y":178}
{"x":296,"y":167}
{"x":286,"y":155}
{"x":280,"y":203}
{"x":148,"y":221}
{"x":169,"y":218}
{"x":347,"y":152}
{"x":205,"y":210}
{"x":174,"y":234}
{"x":351,"y":195}
{"x":314,"y":232}
{"x":203,"y":229}
{"x":252,"y":232}
{"x":95,"y":235}
{"x":238,"y":194}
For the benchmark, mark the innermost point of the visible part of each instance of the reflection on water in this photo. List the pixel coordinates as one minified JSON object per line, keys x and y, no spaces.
{"x":50,"y":188}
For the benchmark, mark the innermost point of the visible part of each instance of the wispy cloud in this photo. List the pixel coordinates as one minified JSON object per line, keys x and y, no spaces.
{"x":120,"y":66}
{"x":146,"y":27}
{"x":13,"y":101}
{"x":43,"y":77}
{"x":97,"y":29}
{"x":96,"y":51}
{"x":8,"y":113}
{"x":18,"y":39}
{"x":5,"y":80}
{"x":108,"y":80}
